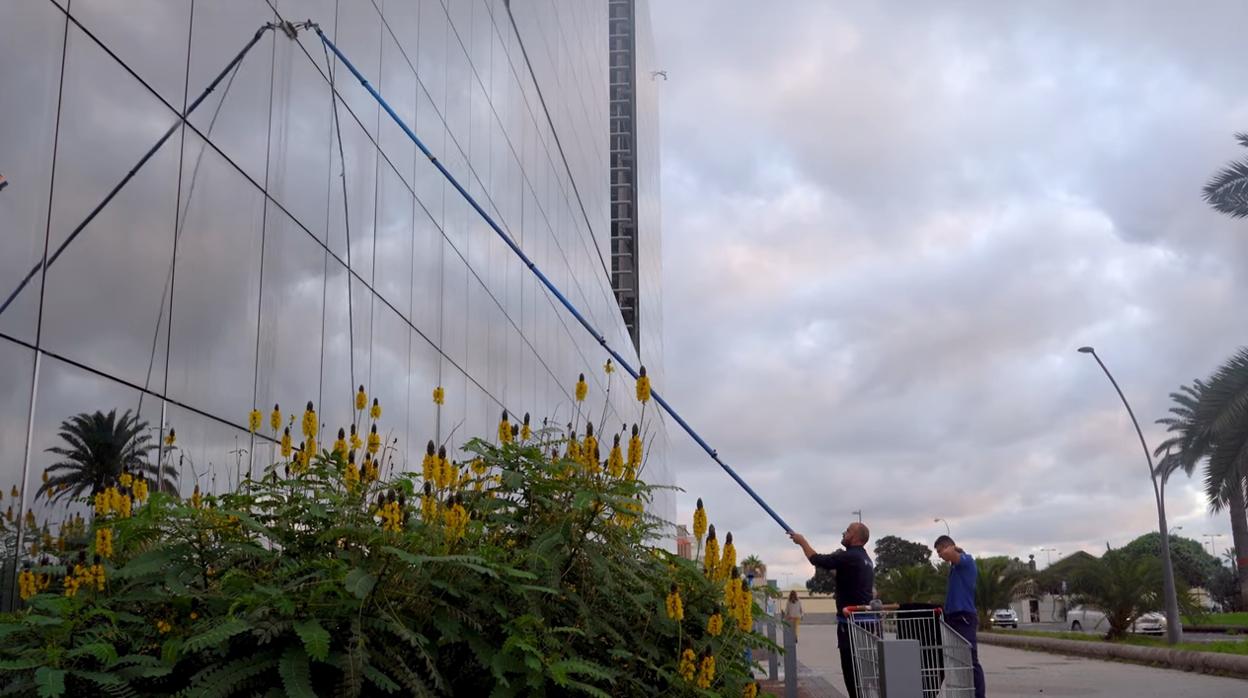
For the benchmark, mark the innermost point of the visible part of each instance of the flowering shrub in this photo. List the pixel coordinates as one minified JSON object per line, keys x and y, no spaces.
{"x":528,"y":569}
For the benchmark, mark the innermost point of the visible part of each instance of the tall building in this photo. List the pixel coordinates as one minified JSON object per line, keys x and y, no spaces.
{"x":285,"y":246}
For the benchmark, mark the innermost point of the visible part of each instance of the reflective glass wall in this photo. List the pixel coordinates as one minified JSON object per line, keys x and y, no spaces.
{"x":287,"y":245}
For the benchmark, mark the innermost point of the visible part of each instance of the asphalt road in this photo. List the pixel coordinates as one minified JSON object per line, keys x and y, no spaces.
{"x":1012,"y":672}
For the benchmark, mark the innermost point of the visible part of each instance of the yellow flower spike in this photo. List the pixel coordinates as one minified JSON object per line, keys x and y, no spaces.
{"x":171,"y":438}
{"x":254,"y":420}
{"x":526,"y":432}
{"x":688,"y":665}
{"x":615,"y":459}
{"x":711,"y":560}
{"x":340,"y":445}
{"x":361,"y":399}
{"x":126,"y":479}
{"x":634,"y":453}
{"x":675,"y":606}
{"x":428,"y":505}
{"x":352,"y":476}
{"x":286,"y":443}
{"x":442,"y":470}
{"x":309,"y":421}
{"x":429,"y":464}
{"x":456,"y":521}
{"x":728,"y":558}
{"x":196,"y":498}
{"x":589,"y":449}
{"x":699,"y":522}
{"x":643,"y":386}
{"x":275,"y":418}
{"x":751,"y":690}
{"x":27,"y":585}
{"x":310,"y":451}
{"x":374,"y":440}
{"x":608,"y":367}
{"x":375,"y":410}
{"x":504,"y":429}
{"x":582,"y":388}
{"x":715,"y":624}
{"x":163,"y":626}
{"x":104,"y":542}
{"x":706,"y":670}
{"x":745,"y":607}
{"x":45,"y":476}
{"x":439,"y":395}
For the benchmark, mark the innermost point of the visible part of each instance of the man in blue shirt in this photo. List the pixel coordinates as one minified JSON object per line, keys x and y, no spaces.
{"x":960,"y":600}
{"x":855,"y":578}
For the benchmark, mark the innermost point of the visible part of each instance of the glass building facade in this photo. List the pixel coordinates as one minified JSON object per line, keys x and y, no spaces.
{"x":285,"y":246}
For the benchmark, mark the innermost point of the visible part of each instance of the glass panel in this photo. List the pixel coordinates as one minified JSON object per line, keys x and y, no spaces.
{"x":17,"y":366}
{"x":213,"y":455}
{"x":454,"y":306}
{"x":426,"y":289}
{"x":358,"y":36}
{"x":216,"y":292}
{"x":361,"y":181}
{"x":301,"y":135}
{"x":106,"y":297}
{"x":150,"y":37}
{"x":339,"y":376}
{"x":394,"y":241}
{"x":422,"y":412}
{"x":451,"y":426}
{"x":431,"y":68}
{"x":30,"y":50}
{"x":236,"y":116}
{"x":397,"y":83}
{"x":388,"y":383}
{"x":289,"y":361}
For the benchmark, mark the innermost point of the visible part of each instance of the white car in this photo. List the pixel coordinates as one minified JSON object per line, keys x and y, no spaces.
{"x":1080,"y":619}
{"x":1004,"y":618}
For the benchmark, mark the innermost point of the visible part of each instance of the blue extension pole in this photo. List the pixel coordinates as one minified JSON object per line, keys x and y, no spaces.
{"x":547,"y":282}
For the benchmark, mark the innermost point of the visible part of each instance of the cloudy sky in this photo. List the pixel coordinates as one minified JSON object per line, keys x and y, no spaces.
{"x":886,"y":231}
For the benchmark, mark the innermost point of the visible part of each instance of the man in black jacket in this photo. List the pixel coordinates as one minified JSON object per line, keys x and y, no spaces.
{"x":855,"y":580}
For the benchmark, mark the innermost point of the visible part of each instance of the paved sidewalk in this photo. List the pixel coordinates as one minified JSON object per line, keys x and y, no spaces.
{"x":1012,"y":672}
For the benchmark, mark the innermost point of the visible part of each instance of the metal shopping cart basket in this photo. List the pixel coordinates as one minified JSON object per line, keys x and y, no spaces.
{"x":908,"y":651}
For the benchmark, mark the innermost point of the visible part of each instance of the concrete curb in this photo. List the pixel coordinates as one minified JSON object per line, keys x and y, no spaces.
{"x":1184,"y":660}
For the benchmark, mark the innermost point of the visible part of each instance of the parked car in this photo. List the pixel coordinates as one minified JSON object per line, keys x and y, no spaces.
{"x":1080,"y":618}
{"x":1004,"y":618}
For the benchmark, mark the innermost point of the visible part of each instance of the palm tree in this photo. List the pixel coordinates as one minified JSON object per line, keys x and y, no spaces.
{"x":999,"y":582}
{"x":1210,"y":424}
{"x":1227,"y":191}
{"x":912,"y":584}
{"x":753,"y":565}
{"x":1123,"y":587}
{"x":99,"y":447}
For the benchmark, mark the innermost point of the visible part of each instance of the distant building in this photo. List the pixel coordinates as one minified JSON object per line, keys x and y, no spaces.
{"x":684,"y":542}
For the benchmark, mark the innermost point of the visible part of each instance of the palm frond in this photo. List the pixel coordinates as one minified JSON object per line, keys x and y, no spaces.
{"x":1227,"y":191}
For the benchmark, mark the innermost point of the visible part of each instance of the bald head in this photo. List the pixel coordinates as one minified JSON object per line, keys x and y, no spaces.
{"x":856,"y":533}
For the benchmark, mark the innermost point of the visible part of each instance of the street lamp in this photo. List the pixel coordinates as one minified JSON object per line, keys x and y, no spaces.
{"x":1048,"y":555}
{"x":946,"y":523}
{"x":1209,"y":539}
{"x":1175,"y":528}
{"x":858,"y":513}
{"x":1174,"y":632}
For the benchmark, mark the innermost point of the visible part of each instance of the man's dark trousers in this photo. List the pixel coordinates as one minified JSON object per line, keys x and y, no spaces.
{"x":965,"y":624}
{"x":847,"y":659}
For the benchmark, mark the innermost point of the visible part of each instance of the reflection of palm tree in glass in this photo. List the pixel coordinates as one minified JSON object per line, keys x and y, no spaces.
{"x":99,"y":447}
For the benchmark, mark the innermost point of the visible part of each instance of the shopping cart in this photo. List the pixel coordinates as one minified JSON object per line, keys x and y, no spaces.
{"x":886,"y":664}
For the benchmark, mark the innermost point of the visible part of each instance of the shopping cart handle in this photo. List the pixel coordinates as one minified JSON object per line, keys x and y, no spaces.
{"x":884,"y":607}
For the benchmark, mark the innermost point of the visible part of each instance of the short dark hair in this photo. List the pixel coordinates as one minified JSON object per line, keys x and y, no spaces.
{"x":942,"y":542}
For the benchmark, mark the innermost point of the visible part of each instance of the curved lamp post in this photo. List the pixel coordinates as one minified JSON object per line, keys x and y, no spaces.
{"x":1174,"y":631}
{"x":946,"y":523}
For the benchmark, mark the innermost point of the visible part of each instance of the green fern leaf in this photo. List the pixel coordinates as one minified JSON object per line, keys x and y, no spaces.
{"x":50,"y":682}
{"x":359,"y":582}
{"x":295,"y":672}
{"x":315,"y":638}
{"x":215,"y":636}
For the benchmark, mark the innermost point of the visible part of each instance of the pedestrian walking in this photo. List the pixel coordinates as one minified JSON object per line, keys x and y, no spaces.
{"x":855,"y":580}
{"x":960,"y":611}
{"x":793,"y":612}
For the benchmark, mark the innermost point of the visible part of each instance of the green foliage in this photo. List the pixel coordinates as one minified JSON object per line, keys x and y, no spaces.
{"x":290,"y":585}
{"x":1000,"y":581}
{"x":894,"y":553}
{"x":1191,"y":563}
{"x":824,"y":581}
{"x":913,"y":584}
{"x":1121,"y":586}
